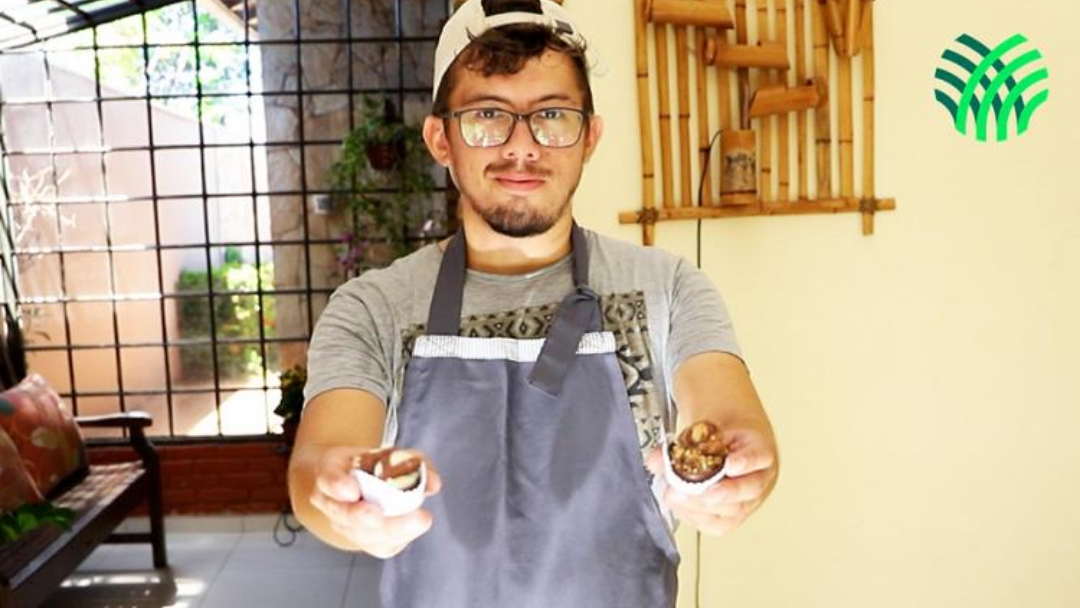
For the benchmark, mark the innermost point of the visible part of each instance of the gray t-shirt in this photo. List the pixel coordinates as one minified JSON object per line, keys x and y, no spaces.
{"x":661,"y":309}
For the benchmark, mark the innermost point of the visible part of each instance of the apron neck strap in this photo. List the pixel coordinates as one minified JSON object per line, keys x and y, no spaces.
{"x":580,"y":252}
{"x":444,"y":316}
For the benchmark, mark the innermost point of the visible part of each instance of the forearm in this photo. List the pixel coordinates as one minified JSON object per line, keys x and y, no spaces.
{"x":335,"y":426}
{"x":715,"y":386}
{"x":303,"y":471}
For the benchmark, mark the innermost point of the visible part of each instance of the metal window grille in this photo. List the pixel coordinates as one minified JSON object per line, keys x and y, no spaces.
{"x":401,"y":34}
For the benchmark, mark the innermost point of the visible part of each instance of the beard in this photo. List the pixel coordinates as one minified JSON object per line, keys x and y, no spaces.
{"x":516,"y":216}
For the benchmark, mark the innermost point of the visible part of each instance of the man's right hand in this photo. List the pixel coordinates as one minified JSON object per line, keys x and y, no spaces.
{"x":337,"y":495}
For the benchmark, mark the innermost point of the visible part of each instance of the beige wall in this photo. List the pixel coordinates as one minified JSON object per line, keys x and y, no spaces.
{"x":919,"y":379}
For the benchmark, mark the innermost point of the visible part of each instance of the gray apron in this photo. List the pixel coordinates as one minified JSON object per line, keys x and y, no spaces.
{"x":545,"y":498}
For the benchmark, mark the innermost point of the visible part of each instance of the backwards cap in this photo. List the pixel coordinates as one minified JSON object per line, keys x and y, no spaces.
{"x":470,"y":21}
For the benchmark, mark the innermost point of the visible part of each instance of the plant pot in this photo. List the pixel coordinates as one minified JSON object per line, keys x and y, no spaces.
{"x":288,"y":431}
{"x":385,"y":156}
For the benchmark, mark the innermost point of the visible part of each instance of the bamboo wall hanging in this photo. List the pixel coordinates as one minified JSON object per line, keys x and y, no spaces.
{"x":748,"y":85}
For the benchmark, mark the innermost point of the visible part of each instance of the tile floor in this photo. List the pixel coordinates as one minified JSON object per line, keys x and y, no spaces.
{"x":223,"y":563}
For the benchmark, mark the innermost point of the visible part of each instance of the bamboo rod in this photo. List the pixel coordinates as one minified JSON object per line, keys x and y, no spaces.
{"x":867,"y":44}
{"x":741,"y":36}
{"x":723,"y":90}
{"x":769,"y":55}
{"x":784,"y":179}
{"x":847,"y":130}
{"x":780,"y":100}
{"x":724,"y":94}
{"x":864,"y":24}
{"x":822,"y":122}
{"x":765,"y":123}
{"x":648,"y":169}
{"x":663,"y":82}
{"x":834,"y":23}
{"x":851,"y":32}
{"x":689,"y":12}
{"x":682,"y":62}
{"x":800,"y":76}
{"x":703,"y":122}
{"x":829,"y":205}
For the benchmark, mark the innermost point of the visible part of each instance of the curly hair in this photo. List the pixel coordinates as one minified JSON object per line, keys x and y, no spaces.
{"x":506,"y":50}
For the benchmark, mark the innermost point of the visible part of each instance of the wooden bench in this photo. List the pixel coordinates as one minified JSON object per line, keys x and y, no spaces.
{"x":101,"y":496}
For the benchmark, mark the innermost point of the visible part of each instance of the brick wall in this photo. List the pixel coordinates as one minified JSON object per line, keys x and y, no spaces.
{"x":215,"y":478}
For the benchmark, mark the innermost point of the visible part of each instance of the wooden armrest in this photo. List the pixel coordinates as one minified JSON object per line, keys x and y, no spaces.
{"x":128,"y":420}
{"x":133,"y":422}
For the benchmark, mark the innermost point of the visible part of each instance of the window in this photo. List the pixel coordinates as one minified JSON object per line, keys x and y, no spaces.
{"x":160,"y":174}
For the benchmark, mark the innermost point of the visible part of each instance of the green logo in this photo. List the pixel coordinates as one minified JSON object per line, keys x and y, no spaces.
{"x":979,"y":79}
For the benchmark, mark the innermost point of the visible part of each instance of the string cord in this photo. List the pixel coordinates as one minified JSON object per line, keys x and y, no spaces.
{"x":700,"y":191}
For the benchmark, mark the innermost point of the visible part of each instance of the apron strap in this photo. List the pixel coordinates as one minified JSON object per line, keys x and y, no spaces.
{"x":579,"y":248}
{"x":578,"y":313}
{"x":444,"y":316}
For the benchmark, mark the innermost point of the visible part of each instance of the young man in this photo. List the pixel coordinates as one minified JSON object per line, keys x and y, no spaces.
{"x":539,"y":451}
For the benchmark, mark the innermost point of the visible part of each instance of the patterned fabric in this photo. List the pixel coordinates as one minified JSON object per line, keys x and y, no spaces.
{"x":16,"y":486}
{"x":624,"y":315}
{"x":43,"y":431}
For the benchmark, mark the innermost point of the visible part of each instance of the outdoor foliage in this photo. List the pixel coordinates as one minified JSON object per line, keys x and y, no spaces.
{"x":381,"y":200}
{"x":235,"y":316}
{"x":24,"y":519}
{"x":176,"y":70}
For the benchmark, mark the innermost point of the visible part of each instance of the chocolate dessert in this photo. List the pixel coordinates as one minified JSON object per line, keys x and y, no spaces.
{"x":698,"y":454}
{"x":399,"y":469}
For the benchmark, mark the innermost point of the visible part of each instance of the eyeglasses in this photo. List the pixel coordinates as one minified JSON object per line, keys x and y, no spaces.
{"x":491,"y":127}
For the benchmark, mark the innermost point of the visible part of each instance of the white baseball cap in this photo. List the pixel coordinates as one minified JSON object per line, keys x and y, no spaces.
{"x":470,"y":21}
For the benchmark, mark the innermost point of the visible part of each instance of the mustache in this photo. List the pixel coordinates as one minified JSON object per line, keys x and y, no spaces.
{"x":519,"y":167}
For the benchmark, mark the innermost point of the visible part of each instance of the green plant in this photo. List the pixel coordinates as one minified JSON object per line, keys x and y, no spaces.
{"x":16,"y":523}
{"x":172,"y":69}
{"x":235,"y":316}
{"x":382,"y":172}
{"x":292,"y":392}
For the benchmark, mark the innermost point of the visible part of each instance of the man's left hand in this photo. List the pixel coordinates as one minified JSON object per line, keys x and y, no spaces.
{"x":750,"y":474}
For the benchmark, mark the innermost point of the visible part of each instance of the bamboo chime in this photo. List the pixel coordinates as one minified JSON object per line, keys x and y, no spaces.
{"x":758,"y":88}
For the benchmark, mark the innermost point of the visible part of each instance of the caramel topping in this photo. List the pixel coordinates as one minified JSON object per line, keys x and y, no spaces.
{"x":380,"y":463}
{"x":699,"y":453}
{"x":698,"y":433}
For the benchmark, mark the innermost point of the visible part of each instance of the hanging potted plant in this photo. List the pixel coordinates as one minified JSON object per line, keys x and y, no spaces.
{"x":384,"y":136}
{"x":381,"y":175}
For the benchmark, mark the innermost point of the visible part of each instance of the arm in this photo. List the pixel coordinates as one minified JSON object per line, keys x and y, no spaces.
{"x":337,"y":425}
{"x":715,"y":386}
{"x":709,"y":383}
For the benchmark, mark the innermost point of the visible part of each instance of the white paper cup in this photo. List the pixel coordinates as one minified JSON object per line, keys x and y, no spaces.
{"x":687,"y":487}
{"x":394,"y":502}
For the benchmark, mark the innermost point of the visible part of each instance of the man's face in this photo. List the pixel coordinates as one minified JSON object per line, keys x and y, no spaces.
{"x":519,"y":188}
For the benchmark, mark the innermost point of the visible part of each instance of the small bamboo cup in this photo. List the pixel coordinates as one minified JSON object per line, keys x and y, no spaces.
{"x":739,"y":167}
